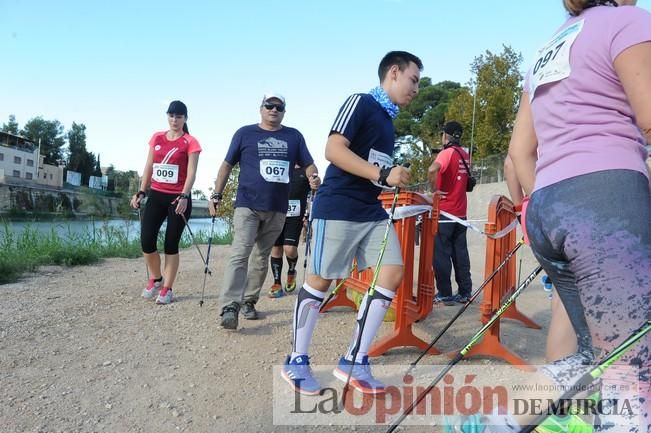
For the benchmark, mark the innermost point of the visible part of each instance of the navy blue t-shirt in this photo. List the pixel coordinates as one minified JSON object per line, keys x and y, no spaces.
{"x":344,"y":196}
{"x":266,"y":161}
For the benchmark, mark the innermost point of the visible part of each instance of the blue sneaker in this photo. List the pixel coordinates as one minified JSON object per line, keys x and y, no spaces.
{"x":361,"y":378}
{"x":298,"y":374}
{"x":463,"y":424}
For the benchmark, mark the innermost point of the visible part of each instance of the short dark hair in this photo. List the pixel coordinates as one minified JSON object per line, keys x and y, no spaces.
{"x":400,"y":58}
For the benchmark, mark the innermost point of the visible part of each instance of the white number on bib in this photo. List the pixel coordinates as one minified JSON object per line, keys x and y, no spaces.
{"x":273,"y":170}
{"x":294,"y":208}
{"x":553,"y":60}
{"x":381,"y":160}
{"x":166,"y":173}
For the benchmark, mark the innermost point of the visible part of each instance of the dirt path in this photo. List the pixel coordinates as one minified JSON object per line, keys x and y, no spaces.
{"x":80,"y":351}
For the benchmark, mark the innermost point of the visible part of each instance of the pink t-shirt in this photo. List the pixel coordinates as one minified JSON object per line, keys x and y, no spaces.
{"x":171,"y":161}
{"x":584,"y":122}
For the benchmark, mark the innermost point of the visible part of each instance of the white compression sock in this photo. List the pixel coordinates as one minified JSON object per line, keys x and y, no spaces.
{"x":380,"y":302}
{"x":306,"y":313}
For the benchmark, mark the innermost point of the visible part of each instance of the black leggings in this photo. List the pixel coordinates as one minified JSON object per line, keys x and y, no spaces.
{"x":157,"y":208}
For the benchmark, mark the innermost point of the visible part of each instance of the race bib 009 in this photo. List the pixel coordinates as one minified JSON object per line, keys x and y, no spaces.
{"x":166,"y":173}
{"x":294,"y":208}
{"x":381,"y":160}
{"x":273,"y":170}
{"x":553,"y":59}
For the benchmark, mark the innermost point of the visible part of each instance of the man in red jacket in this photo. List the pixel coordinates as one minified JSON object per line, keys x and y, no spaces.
{"x":449,"y":176}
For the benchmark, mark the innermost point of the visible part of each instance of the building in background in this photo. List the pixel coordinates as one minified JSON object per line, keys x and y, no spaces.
{"x":18,"y":158}
{"x":21,"y":164}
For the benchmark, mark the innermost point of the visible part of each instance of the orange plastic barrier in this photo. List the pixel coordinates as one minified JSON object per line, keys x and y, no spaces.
{"x":500,"y":215}
{"x":411,"y":303}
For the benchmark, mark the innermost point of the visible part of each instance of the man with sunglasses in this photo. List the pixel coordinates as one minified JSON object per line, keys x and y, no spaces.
{"x":448,"y":174}
{"x":266,"y":153}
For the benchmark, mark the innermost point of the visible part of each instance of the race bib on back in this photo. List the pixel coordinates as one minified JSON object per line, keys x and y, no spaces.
{"x":553,"y":59}
{"x":273,"y":170}
{"x":165,"y":173}
{"x":294,"y":208}
{"x":381,"y":160}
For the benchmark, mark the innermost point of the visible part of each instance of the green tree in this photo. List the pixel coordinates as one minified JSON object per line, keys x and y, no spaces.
{"x":11,"y":127}
{"x":497,"y":88}
{"x":77,"y":153}
{"x":418,"y":125}
{"x":98,"y":168}
{"x":50,"y":134}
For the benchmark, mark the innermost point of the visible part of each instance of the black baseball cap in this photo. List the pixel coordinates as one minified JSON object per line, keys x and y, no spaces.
{"x":177,"y":107}
{"x":453,"y":129}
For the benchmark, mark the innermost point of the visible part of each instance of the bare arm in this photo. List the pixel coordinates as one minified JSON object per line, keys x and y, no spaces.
{"x":433,"y":173}
{"x":148,"y":171}
{"x":193,"y":160}
{"x":633,"y":66}
{"x":222,"y":176}
{"x":338,"y":152}
{"x":515,"y":190}
{"x":145,"y":181}
{"x":524,"y":145}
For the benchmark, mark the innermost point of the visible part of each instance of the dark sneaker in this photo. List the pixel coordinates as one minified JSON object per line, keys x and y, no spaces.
{"x":461,"y":299}
{"x":445,"y":300}
{"x":248,"y":311}
{"x":229,"y":316}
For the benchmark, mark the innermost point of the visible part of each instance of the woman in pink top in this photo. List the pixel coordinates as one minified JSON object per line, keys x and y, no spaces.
{"x":169,"y":173}
{"x":578,"y":148}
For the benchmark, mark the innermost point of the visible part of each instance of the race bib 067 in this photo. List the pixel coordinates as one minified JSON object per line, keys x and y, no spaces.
{"x":166,"y":173}
{"x":553,"y":59}
{"x":273,"y":170}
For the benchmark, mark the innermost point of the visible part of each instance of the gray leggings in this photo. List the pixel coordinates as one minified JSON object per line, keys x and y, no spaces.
{"x":592,"y":235}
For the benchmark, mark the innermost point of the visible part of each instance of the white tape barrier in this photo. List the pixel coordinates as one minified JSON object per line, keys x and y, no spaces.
{"x":403,"y":212}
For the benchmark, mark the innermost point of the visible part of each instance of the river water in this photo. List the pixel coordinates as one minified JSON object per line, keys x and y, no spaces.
{"x":130,"y":227}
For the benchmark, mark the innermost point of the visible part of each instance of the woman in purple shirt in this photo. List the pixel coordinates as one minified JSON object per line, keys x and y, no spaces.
{"x":578,"y":148}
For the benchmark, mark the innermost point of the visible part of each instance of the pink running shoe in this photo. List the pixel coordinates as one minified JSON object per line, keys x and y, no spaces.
{"x":152,"y":288}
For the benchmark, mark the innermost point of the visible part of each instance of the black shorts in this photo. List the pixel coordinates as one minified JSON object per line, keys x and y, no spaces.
{"x":291,"y":233}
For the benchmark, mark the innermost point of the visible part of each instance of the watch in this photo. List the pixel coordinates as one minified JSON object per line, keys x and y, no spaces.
{"x":384,"y":174}
{"x":141,"y":193}
{"x":184,"y":195}
{"x":216,"y":196}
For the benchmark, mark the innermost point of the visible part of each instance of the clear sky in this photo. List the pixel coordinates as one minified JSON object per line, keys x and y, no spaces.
{"x":115,"y":66}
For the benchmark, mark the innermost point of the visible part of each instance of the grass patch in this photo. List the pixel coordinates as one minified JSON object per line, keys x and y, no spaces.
{"x":25,"y":251}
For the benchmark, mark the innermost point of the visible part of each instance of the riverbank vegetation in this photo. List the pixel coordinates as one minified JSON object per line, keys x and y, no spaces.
{"x":25,"y":250}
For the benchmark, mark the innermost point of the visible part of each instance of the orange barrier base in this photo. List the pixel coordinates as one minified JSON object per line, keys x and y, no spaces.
{"x":491,"y":346}
{"x":400,"y":337}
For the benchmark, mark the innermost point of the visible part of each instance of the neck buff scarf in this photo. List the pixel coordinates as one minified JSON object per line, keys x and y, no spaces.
{"x":383,"y":99}
{"x":592,"y":3}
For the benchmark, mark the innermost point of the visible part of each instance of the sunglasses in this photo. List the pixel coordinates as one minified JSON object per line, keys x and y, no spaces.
{"x":279,"y":107}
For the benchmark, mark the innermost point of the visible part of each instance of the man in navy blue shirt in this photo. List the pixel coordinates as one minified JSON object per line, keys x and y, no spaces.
{"x":349,"y":220}
{"x":267,"y":153}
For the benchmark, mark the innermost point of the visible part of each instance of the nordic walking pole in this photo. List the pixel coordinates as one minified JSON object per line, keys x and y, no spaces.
{"x":588,"y":378}
{"x":205,"y":269}
{"x":463,"y":352}
{"x":370,"y":293}
{"x":339,"y":286}
{"x":140,"y":219}
{"x":195,"y":244}
{"x":308,"y":235}
{"x":465,"y":306}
